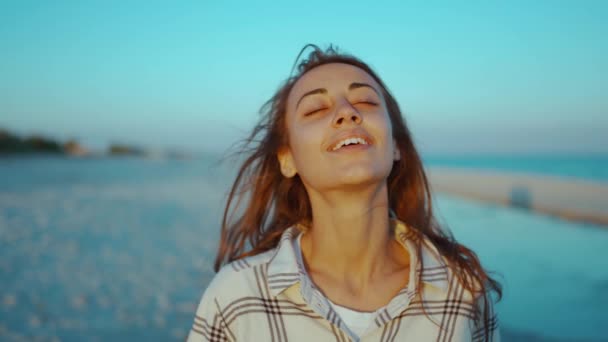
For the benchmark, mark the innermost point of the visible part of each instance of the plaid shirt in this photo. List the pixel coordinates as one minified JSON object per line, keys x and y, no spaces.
{"x":269,"y":297}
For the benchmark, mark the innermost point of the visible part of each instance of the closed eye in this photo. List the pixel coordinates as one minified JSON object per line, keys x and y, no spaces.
{"x":367,"y":103}
{"x":314,"y":111}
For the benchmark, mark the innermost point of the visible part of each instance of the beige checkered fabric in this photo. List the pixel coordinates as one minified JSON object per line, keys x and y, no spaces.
{"x":269,"y":297}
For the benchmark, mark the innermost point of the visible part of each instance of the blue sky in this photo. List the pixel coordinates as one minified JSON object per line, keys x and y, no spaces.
{"x":471,"y":77}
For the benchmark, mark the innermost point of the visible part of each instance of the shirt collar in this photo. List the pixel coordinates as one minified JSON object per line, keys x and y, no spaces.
{"x":435,"y":271}
{"x":284,"y":270}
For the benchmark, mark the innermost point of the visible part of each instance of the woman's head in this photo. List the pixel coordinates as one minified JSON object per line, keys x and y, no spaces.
{"x":338,"y":130}
{"x":331,"y":96}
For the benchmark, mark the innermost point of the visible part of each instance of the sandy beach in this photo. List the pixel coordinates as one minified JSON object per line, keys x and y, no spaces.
{"x":569,"y":199}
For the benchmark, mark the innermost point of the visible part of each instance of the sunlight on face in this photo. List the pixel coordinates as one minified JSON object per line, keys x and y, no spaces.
{"x":329,"y":106}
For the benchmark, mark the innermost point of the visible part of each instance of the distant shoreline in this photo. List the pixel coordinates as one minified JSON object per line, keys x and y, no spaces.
{"x":569,"y":199}
{"x":37,"y":146}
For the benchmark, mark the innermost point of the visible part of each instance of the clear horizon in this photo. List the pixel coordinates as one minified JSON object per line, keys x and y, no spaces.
{"x":509,"y":78}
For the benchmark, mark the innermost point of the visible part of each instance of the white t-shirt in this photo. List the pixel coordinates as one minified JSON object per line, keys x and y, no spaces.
{"x":356,"y":321}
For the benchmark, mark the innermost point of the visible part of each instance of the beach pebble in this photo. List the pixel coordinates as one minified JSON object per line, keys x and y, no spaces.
{"x":34,"y":321}
{"x":199,"y":263}
{"x":103,"y":301}
{"x":169,"y":260}
{"x":162,"y":301}
{"x":178,"y":333}
{"x":160,"y":321}
{"x":67,"y":324}
{"x":186,"y":307}
{"x":9,"y":300}
{"x":5,"y":268}
{"x":79,"y":302}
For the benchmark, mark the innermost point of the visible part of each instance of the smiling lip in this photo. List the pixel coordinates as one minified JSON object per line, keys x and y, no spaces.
{"x":347,"y":148}
{"x":364,"y":141}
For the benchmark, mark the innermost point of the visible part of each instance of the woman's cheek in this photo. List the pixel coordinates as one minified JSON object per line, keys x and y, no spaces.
{"x":305,"y":144}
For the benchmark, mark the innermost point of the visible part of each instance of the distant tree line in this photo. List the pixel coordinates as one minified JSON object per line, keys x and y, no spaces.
{"x":36,"y":144}
{"x":120,"y":150}
{"x":11,"y":143}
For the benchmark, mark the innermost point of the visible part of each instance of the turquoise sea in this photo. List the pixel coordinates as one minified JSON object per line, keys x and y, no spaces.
{"x":592,"y":167}
{"x":121,"y":249}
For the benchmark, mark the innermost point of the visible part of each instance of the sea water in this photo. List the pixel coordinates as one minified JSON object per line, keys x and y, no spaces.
{"x":591,"y":167}
{"x":121,"y":249}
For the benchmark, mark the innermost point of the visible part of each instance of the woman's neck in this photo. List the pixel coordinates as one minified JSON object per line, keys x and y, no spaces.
{"x":350,"y":239}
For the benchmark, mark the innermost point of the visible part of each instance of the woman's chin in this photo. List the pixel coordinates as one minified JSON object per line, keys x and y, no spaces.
{"x":358,"y":179}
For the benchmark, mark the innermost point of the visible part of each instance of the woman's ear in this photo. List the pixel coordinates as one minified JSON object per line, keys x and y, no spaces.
{"x":288,"y":167}
{"x":396,"y":151}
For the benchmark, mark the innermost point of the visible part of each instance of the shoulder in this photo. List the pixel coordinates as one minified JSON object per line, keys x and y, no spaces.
{"x":448,"y":285}
{"x":449,"y":280}
{"x":235,"y":283}
{"x":239,"y":278}
{"x":472,"y":297}
{"x":247,"y":278}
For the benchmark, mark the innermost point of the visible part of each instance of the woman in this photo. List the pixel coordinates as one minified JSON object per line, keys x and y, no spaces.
{"x":336,"y":240}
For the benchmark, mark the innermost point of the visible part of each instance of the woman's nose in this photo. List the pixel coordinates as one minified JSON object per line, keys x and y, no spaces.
{"x":346,"y":113}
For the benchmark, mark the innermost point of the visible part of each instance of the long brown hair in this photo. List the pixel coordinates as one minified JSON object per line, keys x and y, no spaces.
{"x":262,"y":203}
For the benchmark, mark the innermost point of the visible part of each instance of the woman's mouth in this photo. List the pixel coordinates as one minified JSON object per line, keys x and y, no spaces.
{"x":350,"y":143}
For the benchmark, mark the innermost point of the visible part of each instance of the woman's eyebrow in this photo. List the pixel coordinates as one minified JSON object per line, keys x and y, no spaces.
{"x":356,"y":85}
{"x":312,"y":92}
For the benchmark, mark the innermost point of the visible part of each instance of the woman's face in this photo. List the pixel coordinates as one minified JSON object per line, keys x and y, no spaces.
{"x":339,"y":130}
